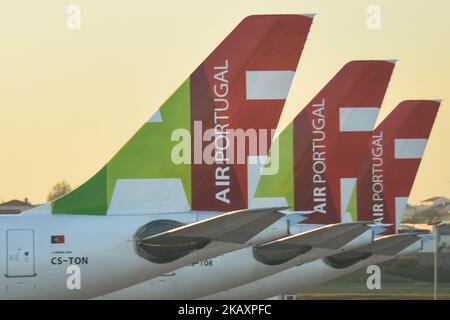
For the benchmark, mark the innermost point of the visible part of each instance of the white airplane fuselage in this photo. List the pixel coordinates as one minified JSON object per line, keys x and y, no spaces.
{"x":224,"y":272}
{"x":102,"y":247}
{"x":31,"y":266}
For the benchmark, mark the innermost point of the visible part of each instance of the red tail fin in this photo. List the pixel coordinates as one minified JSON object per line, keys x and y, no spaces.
{"x":242,"y":84}
{"x":331,"y":134}
{"x":390,"y":167}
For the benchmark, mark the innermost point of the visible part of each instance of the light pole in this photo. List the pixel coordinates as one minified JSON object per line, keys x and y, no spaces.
{"x":435,"y":225}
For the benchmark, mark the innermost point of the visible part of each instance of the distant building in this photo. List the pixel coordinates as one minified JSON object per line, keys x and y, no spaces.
{"x":15,"y":206}
{"x":435,"y":207}
{"x":441,"y":204}
{"x":436,"y":201}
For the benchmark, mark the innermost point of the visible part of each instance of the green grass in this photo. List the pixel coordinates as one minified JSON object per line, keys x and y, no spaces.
{"x":354,"y":286}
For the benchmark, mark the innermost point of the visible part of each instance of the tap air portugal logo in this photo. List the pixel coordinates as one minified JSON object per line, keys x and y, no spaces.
{"x":390,"y":166}
{"x":221,"y":140}
{"x":377,"y":177}
{"x":320,"y":151}
{"x":221,"y":145}
{"x":181,"y":159}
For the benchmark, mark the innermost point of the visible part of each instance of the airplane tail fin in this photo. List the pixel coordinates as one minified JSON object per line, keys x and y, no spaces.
{"x":248,"y":74}
{"x":335,"y":152}
{"x":320,"y":145}
{"x":396,"y":149}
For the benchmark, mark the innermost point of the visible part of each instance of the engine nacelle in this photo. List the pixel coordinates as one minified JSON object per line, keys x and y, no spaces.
{"x":165,"y":250}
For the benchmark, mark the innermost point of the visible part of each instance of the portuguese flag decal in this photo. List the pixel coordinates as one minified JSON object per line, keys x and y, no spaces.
{"x":58,"y":239}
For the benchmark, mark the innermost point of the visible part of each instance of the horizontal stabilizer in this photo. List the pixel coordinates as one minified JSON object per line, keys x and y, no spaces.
{"x":164,"y":241}
{"x":235,"y":226}
{"x":387,"y":246}
{"x":333,"y":236}
{"x":391,"y":245}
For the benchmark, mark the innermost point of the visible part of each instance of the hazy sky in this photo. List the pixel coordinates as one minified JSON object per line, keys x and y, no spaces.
{"x":69,"y":99}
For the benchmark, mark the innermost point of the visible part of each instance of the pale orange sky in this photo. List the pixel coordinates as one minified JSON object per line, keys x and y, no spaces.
{"x":70,"y":99}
